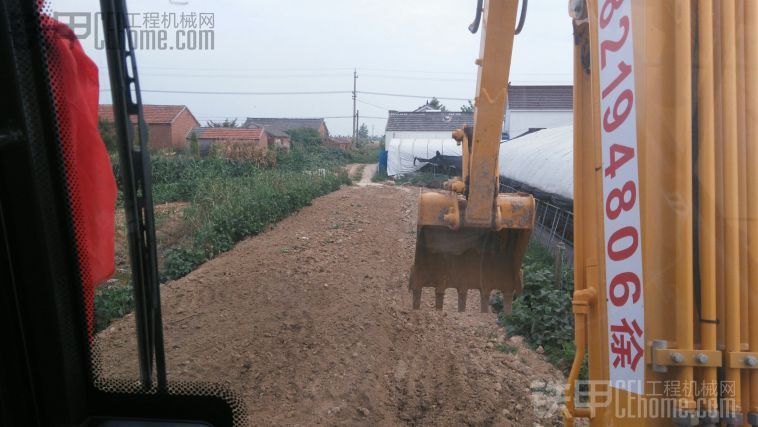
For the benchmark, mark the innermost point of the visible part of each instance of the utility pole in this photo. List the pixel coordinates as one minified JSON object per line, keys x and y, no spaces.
{"x":357,"y":121}
{"x":355,"y":113}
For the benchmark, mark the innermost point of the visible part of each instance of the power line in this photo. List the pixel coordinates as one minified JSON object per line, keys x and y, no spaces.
{"x":400,"y":95}
{"x":417,"y":71}
{"x":323,"y":92}
{"x":245,"y":76}
{"x":254,"y":69}
{"x":437,"y":79}
{"x":197,"y":92}
{"x":232,"y":116}
{"x":374,"y":105}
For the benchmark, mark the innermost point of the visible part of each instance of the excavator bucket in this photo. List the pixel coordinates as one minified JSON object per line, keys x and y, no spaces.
{"x":449,"y":255}
{"x":472,"y":237}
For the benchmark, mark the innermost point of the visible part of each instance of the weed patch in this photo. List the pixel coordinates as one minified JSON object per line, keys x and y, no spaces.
{"x":542,"y":314}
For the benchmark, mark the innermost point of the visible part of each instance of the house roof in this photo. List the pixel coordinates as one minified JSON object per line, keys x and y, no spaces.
{"x":154,"y":114}
{"x":341,"y":140}
{"x":237,"y":134}
{"x":282,"y":124}
{"x":274,"y":132}
{"x":429,"y":121}
{"x":538,"y":97}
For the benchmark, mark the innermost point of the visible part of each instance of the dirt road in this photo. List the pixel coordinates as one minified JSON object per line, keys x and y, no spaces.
{"x":311,"y":323}
{"x":368,"y":172}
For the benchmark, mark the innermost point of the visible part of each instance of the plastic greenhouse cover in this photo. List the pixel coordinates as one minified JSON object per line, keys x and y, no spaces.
{"x":542,"y":160}
{"x":401,"y":153}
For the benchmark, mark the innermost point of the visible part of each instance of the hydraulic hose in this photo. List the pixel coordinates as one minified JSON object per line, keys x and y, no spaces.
{"x":474,"y":27}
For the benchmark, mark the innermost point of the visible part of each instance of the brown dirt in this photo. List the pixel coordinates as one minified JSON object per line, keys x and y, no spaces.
{"x":354,"y":170}
{"x":311,"y":323}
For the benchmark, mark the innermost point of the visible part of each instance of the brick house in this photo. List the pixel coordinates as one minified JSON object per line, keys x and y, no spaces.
{"x":341,"y":142}
{"x":168,"y":125}
{"x":285,"y":124}
{"x":257,"y":137}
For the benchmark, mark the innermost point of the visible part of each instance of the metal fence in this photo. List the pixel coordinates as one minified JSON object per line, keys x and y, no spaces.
{"x":554,"y":227}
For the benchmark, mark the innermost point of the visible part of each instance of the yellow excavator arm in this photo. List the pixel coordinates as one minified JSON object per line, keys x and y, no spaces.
{"x":472,"y":237}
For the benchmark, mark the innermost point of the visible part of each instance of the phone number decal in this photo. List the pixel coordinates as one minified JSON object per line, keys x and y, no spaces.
{"x":623,"y":236}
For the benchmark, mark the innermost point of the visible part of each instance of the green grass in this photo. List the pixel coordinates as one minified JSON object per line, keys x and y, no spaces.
{"x":380,"y":176}
{"x":368,"y":153}
{"x":506,"y":348}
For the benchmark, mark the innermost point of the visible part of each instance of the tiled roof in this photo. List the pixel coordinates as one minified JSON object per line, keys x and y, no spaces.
{"x":154,"y":114}
{"x":556,"y":97}
{"x":341,"y":139}
{"x":429,"y":121}
{"x":275,"y":132}
{"x":282,"y":124}
{"x":236,"y":134}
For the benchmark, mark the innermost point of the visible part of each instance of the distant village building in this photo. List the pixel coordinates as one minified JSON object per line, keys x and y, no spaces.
{"x":168,"y":125}
{"x":259,"y":138}
{"x":341,"y":142}
{"x":427,"y":124}
{"x":534,"y":107}
{"x":287,"y":124}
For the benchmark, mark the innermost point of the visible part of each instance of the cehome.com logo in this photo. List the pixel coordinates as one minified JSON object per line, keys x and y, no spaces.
{"x":149,"y":30}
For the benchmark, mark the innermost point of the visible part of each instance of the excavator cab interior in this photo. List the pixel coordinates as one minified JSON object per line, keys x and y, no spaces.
{"x":46,"y":374}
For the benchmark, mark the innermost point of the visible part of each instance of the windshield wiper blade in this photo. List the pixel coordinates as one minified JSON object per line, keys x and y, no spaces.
{"x":137,"y":190}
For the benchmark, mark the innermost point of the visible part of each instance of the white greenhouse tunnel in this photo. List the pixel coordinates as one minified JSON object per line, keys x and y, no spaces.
{"x":543,"y":159}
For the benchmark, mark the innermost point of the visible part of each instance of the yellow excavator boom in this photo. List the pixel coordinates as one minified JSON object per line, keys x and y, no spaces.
{"x":472,"y":237}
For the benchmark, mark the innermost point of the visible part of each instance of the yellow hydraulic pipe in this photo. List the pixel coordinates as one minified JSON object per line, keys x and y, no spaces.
{"x":743,"y":165}
{"x":742,"y":155}
{"x":731,"y":201}
{"x":707,"y":192}
{"x":751,"y":121}
{"x":719,"y":127}
{"x":683,"y":89}
{"x":583,"y":299}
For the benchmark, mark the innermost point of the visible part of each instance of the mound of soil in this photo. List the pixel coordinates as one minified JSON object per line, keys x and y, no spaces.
{"x":311,"y":323}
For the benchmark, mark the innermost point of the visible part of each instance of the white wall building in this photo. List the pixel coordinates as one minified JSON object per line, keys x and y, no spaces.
{"x":532,"y":107}
{"x":437,"y":125}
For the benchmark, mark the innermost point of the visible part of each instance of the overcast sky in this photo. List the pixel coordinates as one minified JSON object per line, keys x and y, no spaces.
{"x":409,"y":47}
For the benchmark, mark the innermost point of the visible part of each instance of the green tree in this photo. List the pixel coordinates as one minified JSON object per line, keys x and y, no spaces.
{"x":363,"y":132}
{"x":305,"y":136}
{"x":194,"y":146}
{"x":436,"y":104}
{"x":467,"y":108}
{"x":227,"y":123}
{"x":108,"y":133}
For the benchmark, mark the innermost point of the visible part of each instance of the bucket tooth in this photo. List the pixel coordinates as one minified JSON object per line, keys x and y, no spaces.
{"x":416,"y":292}
{"x":462,"y":294}
{"x":439,"y":298}
{"x":485,"y":301}
{"x":507,"y":303}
